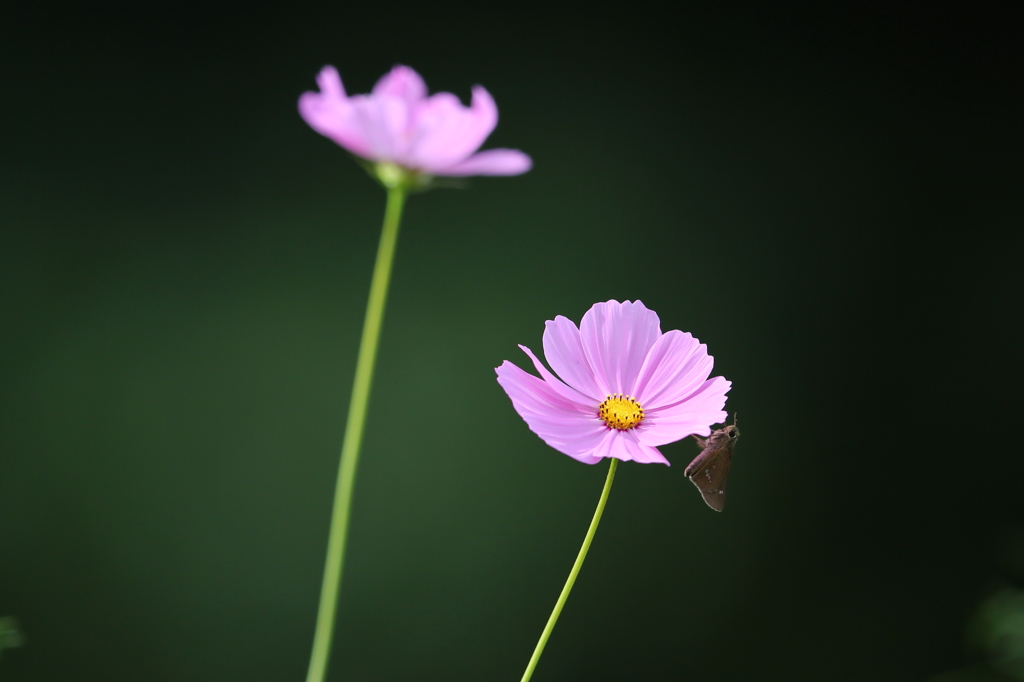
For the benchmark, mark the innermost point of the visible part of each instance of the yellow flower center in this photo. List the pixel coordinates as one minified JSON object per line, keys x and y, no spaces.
{"x":620,"y":412}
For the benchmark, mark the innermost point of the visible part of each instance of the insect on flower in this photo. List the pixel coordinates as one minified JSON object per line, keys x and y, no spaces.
{"x":709,"y":470}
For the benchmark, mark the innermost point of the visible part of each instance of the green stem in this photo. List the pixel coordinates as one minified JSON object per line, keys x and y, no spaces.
{"x":354,"y":436}
{"x":572,"y":574}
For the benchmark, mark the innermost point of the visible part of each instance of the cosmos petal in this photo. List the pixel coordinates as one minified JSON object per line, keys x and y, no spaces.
{"x":533,"y":394}
{"x":639,"y":451}
{"x":692,"y":416}
{"x":564,"y":350}
{"x":380,"y":119}
{"x":675,"y":367}
{"x":489,"y":162}
{"x":571,"y":394}
{"x":447,"y":132}
{"x":329,"y":82}
{"x":609,"y":446}
{"x":709,"y":395}
{"x":559,"y":423}
{"x":402,"y":82}
{"x":330,"y":113}
{"x":616,"y":338}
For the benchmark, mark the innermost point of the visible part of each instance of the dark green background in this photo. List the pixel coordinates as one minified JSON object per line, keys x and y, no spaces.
{"x":830,"y":200}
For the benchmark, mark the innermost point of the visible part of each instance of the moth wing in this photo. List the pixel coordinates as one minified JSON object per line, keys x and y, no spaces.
{"x":711,"y":476}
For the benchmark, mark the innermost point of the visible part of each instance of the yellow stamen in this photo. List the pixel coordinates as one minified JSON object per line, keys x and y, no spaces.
{"x":620,"y":412}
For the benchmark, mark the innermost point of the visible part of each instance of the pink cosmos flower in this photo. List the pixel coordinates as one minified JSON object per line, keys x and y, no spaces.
{"x":626,"y":388}
{"x":400,"y":124}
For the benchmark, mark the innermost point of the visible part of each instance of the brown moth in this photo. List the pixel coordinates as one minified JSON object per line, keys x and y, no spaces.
{"x":709,"y":471}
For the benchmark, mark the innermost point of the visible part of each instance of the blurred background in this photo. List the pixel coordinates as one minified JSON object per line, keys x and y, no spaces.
{"x":831,"y":199}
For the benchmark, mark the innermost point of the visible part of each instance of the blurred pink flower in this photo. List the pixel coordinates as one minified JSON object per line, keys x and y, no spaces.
{"x":400,"y":124}
{"x":627,"y":387}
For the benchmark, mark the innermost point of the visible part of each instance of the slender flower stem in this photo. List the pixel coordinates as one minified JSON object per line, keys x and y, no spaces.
{"x":354,"y":435}
{"x":573,"y":573}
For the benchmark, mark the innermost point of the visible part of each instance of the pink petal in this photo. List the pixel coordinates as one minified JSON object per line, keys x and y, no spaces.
{"x":711,"y":392}
{"x":447,"y":132}
{"x":616,"y":338}
{"x":402,"y":82}
{"x":534,"y":394}
{"x":574,"y":437}
{"x":329,"y":82}
{"x":383,"y":120}
{"x":564,"y":350}
{"x":562,"y":424}
{"x":608,"y":446}
{"x":586,"y":459}
{"x":585,"y":403}
{"x":640,"y":452}
{"x":692,"y":416}
{"x":438,"y":122}
{"x":332,"y":115}
{"x":490,"y":162}
{"x":674,"y":368}
{"x":625,"y":446}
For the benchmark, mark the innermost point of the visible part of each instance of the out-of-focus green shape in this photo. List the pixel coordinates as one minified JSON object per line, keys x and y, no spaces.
{"x":10,"y":634}
{"x":998,"y":629}
{"x":995,"y":632}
